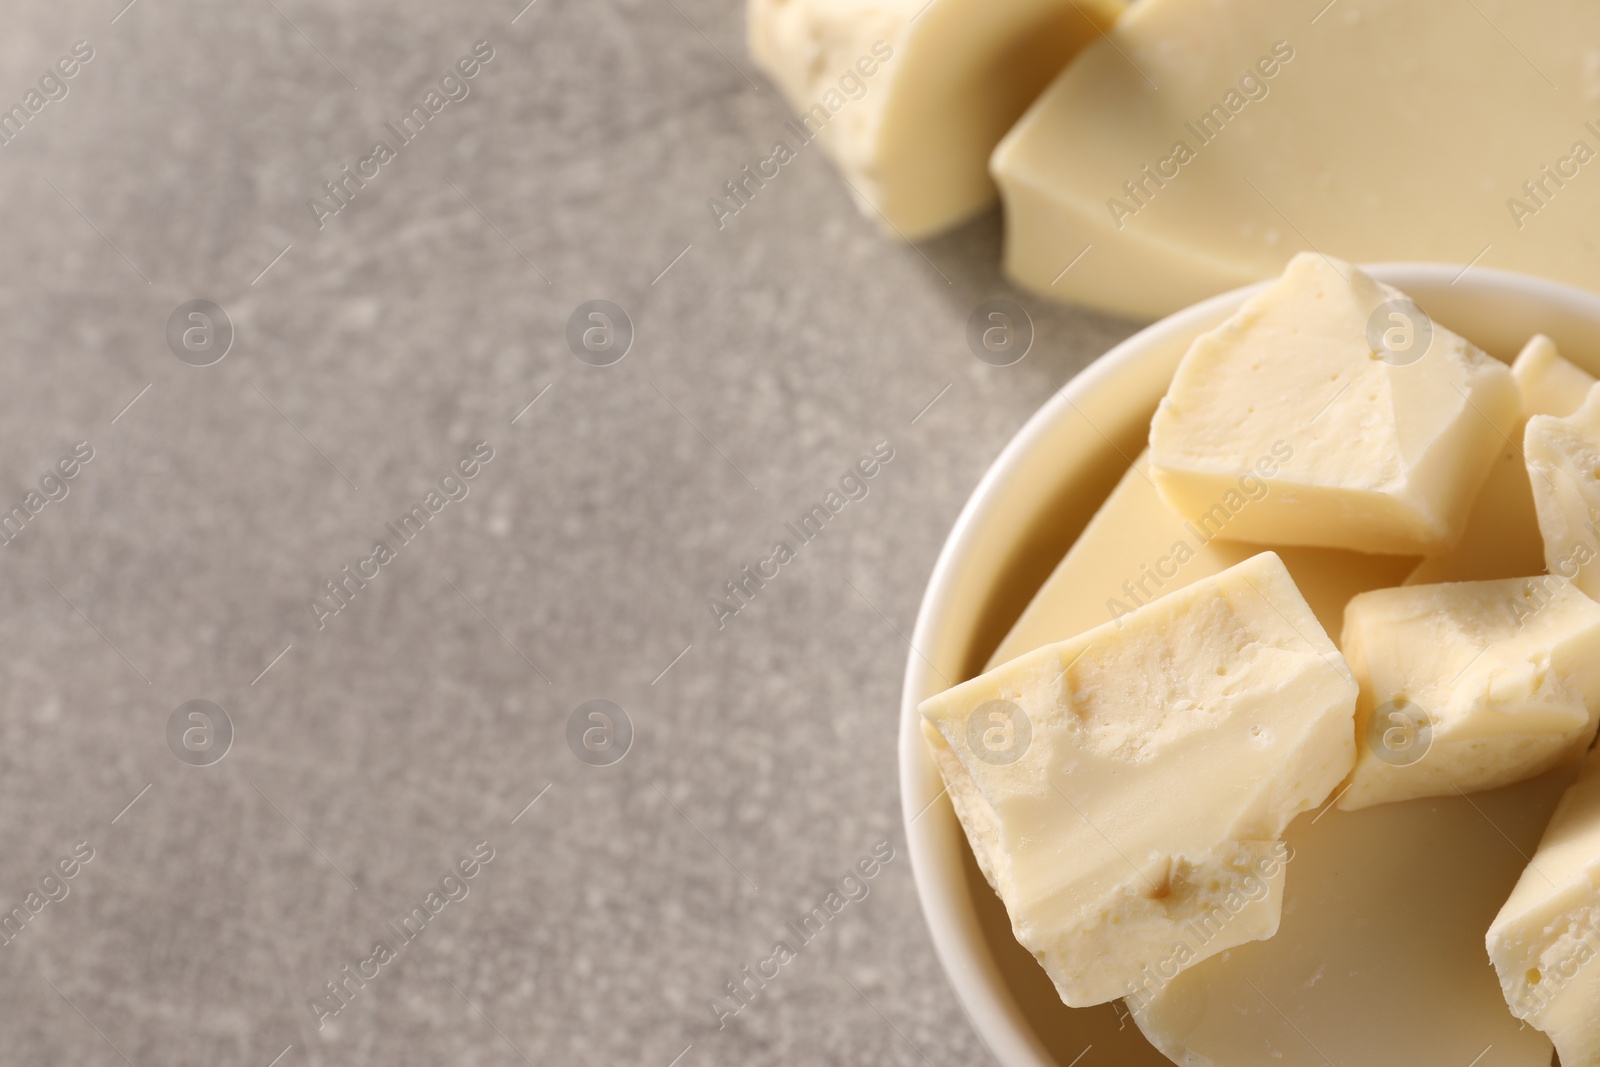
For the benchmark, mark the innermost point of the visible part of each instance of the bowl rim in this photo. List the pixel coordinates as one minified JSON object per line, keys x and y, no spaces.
{"x":947,"y":908}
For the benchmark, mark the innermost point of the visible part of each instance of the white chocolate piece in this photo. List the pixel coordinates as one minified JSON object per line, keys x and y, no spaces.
{"x":1203,"y":144}
{"x":1469,"y":685}
{"x":1547,"y":383}
{"x":1564,"y":471}
{"x":1545,"y":940}
{"x":947,"y":79}
{"x":1135,"y":779}
{"x":1354,"y":450}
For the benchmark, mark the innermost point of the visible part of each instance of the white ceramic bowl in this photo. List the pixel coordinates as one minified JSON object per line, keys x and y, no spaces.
{"x":1024,"y":515}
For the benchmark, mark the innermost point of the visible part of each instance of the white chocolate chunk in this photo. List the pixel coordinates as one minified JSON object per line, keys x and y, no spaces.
{"x":1502,"y":538}
{"x":1204,"y":143}
{"x":1136,"y":778}
{"x":909,"y":97}
{"x":1545,"y":941}
{"x":1564,"y":470}
{"x":1548,"y":383}
{"x":1469,"y":685}
{"x":1357,"y":449}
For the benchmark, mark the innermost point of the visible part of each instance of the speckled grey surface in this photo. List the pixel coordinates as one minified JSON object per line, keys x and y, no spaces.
{"x":378,"y":751}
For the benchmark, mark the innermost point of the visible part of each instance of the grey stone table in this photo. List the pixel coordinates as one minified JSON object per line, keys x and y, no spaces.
{"x":379,"y":751}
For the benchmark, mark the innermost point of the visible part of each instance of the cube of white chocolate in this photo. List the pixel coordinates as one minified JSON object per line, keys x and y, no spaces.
{"x":1545,"y":941}
{"x":1469,"y":685}
{"x":1370,"y":426}
{"x":1564,"y":470}
{"x":1135,"y":779}
{"x":1548,"y":383}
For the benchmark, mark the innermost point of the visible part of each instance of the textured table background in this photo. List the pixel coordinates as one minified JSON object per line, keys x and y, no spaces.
{"x":380,"y":749}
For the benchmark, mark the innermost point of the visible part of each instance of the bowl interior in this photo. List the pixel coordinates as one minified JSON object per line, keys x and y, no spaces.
{"x":1026,"y":512}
